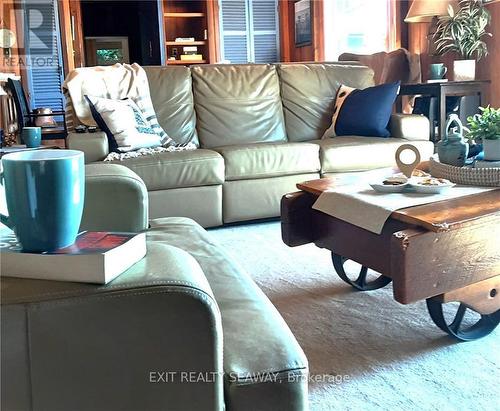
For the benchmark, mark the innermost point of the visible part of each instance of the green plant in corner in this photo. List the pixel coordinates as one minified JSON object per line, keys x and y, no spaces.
{"x":485,"y":125}
{"x":463,"y":32}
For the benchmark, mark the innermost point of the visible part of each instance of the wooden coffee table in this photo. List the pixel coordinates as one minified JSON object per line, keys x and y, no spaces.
{"x":447,"y":251}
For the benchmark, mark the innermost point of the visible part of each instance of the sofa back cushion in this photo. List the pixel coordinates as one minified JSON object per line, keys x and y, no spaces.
{"x":237,"y":104}
{"x":172,"y":97}
{"x":308,"y":93}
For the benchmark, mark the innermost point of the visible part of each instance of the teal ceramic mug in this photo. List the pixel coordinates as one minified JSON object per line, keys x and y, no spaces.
{"x":438,"y":71}
{"x":32,"y":136}
{"x":44,"y":191}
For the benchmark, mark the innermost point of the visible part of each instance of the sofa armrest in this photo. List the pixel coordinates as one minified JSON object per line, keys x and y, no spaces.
{"x":116,"y":199}
{"x":409,"y":126}
{"x":75,"y":346}
{"x":94,"y":145}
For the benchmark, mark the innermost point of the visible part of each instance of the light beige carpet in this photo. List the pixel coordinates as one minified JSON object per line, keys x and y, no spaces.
{"x":394,"y":357}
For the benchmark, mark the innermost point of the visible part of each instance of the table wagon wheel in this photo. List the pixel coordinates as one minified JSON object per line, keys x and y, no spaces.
{"x":456,"y":328}
{"x":361,"y":283}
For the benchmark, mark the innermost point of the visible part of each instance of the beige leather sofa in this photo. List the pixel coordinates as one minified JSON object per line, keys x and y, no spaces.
{"x":185,"y":328}
{"x":259,"y":129}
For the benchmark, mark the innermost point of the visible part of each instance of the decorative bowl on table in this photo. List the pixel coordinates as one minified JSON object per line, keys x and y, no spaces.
{"x":430,"y":185}
{"x":486,"y":177}
{"x":392,"y":184}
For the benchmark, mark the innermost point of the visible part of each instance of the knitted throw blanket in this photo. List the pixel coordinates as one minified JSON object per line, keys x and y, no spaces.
{"x":147,"y":152}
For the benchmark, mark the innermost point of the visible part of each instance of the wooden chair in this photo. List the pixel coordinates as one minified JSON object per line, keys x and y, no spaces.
{"x":389,"y":67}
{"x":26,"y":118}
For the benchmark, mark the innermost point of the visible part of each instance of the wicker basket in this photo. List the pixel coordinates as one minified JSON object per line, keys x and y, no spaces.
{"x":487,"y":177}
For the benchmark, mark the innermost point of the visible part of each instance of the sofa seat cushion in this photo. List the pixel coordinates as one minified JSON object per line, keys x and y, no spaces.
{"x":355,"y":153}
{"x":257,"y":342}
{"x":190,"y":168}
{"x":252,"y":161}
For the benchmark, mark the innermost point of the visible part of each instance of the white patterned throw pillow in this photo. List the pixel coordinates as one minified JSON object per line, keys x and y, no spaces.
{"x":124,"y":124}
{"x":342,"y":93}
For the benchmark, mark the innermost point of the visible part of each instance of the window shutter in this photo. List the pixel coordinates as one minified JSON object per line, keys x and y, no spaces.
{"x":44,"y":51}
{"x":234,"y":30}
{"x":249,"y":31}
{"x":265,"y":33}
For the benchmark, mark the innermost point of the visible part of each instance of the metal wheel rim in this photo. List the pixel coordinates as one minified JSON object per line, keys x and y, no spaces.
{"x":484,"y":326}
{"x":360,"y":282}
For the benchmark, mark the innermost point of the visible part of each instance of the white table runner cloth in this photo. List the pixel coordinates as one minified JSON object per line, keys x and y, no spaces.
{"x":364,"y":207}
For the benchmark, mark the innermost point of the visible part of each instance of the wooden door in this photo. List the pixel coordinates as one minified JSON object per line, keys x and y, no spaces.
{"x":70,"y":19}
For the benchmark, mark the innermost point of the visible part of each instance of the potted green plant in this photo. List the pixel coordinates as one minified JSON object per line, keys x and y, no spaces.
{"x":486,"y":127}
{"x":463,"y":32}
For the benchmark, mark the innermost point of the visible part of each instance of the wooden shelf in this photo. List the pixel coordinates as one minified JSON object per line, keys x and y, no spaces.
{"x":185,"y":62}
{"x":193,"y":19}
{"x":185,"y":43}
{"x":184,"y":14}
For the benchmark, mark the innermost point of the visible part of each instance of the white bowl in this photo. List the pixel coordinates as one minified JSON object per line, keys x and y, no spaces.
{"x":425,"y":189}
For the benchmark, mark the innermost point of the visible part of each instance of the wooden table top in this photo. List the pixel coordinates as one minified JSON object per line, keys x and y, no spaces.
{"x":415,"y":87}
{"x":438,"y":216}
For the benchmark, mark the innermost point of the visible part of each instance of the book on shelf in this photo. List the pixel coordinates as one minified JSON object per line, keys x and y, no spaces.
{"x":191,"y":57}
{"x":184,"y":39}
{"x":95,"y":257}
{"x":190,"y":50}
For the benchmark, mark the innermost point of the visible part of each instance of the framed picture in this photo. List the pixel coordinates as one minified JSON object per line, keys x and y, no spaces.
{"x":106,"y":51}
{"x":303,"y":23}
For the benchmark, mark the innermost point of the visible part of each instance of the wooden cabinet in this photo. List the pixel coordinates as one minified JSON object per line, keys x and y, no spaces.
{"x":195,"y":19}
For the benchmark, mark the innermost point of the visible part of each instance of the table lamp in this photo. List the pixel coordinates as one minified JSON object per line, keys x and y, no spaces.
{"x":428,"y":11}
{"x":424,"y":11}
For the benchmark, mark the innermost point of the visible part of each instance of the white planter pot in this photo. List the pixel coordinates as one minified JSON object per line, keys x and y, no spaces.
{"x":464,"y":70}
{"x":491,"y":149}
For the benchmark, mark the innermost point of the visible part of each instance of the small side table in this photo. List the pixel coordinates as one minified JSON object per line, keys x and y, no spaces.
{"x":441,"y":90}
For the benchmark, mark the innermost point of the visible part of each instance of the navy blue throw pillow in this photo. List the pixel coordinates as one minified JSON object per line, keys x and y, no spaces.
{"x":364,"y":112}
{"x":113,"y":146}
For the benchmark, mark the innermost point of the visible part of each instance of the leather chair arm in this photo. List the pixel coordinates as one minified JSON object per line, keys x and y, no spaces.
{"x":75,"y":346}
{"x":409,"y":126}
{"x":116,"y":199}
{"x":94,"y":145}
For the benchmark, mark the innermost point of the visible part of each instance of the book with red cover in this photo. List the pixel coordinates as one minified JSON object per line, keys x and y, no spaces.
{"x":95,"y":257}
{"x":95,"y":242}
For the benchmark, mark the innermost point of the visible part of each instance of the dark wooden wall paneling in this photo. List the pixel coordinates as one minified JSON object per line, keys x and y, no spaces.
{"x":313,"y":52}
{"x":489,"y":68}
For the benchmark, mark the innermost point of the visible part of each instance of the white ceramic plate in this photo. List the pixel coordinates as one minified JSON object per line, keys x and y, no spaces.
{"x":425,"y":189}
